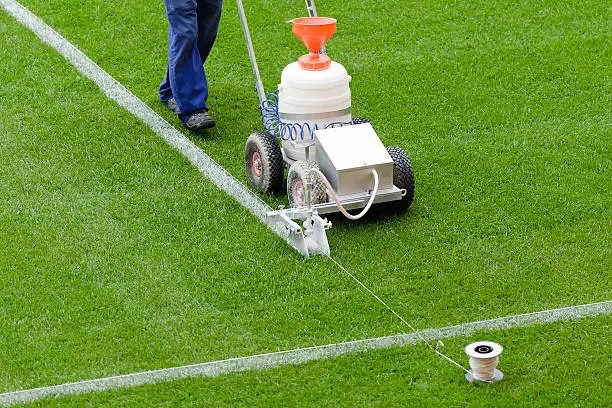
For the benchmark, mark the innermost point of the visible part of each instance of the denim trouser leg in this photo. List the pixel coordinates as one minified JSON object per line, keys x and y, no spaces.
{"x":209,"y":15}
{"x":192,"y":29}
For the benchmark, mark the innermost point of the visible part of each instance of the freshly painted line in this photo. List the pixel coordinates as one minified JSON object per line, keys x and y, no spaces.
{"x":114,"y":90}
{"x":303,"y":355}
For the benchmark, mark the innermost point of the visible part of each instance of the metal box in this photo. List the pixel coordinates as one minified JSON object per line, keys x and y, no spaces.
{"x":346,"y":154}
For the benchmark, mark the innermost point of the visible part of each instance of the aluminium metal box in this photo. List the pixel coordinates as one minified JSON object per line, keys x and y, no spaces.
{"x":346,"y":154}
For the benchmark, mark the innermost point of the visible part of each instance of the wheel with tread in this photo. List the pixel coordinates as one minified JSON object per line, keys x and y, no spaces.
{"x":358,"y":120}
{"x":296,"y":185}
{"x":403,"y":176}
{"x":263,"y":161}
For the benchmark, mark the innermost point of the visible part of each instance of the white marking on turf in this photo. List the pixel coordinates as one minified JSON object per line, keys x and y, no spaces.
{"x":114,"y":90}
{"x":303,"y":355}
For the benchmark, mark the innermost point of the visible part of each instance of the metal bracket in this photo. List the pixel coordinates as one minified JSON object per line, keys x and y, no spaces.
{"x":314,"y":235}
{"x":310,"y":239}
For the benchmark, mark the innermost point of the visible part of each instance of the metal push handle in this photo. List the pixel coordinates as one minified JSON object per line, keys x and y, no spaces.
{"x":261,"y":93}
{"x":312,"y":10}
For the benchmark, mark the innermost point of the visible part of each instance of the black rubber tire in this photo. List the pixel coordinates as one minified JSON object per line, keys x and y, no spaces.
{"x":263,"y":162}
{"x":403,"y":176}
{"x":357,"y":120}
{"x":296,"y":185}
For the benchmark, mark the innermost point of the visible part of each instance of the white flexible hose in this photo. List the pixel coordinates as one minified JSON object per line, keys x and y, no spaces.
{"x":335,"y":197}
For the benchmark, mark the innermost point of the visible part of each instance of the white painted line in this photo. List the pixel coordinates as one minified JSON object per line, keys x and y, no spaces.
{"x":114,"y":90}
{"x":303,"y":355}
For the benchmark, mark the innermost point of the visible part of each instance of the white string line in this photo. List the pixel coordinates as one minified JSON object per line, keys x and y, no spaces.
{"x":435,"y":350}
{"x":303,"y":355}
{"x":117,"y":92}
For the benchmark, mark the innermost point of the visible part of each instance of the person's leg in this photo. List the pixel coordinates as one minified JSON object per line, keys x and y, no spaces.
{"x":165,"y":91}
{"x":165,"y":95}
{"x":209,"y":15}
{"x":185,"y":71}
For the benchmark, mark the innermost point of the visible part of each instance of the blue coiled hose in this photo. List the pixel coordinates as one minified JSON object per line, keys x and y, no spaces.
{"x":287,"y":131}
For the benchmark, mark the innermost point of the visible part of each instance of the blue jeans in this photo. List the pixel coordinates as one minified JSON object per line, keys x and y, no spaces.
{"x":192,"y":30}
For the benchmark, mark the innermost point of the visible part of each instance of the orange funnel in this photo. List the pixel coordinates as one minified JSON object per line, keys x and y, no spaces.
{"x":314,"y":32}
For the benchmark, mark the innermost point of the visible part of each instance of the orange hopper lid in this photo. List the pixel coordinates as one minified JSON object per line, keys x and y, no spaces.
{"x":314,"y":32}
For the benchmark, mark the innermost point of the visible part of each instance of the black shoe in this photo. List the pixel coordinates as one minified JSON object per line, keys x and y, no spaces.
{"x":171,"y":104}
{"x":199,"y":121}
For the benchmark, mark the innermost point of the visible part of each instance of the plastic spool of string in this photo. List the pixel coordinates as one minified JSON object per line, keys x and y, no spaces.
{"x":484,"y":357}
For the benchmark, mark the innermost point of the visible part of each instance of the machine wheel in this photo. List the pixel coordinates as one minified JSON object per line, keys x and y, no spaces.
{"x":263,"y":161}
{"x":358,"y":120}
{"x":402,"y":175}
{"x":296,"y":185}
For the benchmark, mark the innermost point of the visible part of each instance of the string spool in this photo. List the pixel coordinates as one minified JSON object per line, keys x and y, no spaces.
{"x":484,"y":357}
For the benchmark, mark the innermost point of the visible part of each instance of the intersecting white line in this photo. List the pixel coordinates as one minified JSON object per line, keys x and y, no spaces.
{"x":302,"y":355}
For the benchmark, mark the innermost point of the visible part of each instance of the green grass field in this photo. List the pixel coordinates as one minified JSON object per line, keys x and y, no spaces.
{"x":118,"y":257}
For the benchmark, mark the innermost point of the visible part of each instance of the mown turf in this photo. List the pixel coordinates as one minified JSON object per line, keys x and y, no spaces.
{"x":563,"y":364}
{"x":118,"y":257}
{"x":503,"y":109}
